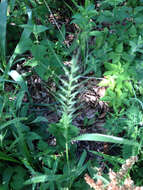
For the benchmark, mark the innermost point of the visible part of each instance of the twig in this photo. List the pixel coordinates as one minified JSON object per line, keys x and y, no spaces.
{"x":46,"y":4}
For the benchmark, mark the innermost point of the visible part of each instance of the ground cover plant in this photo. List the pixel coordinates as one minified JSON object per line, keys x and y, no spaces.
{"x":71,"y":111}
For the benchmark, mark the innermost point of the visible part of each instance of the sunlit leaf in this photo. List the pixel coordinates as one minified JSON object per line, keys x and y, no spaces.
{"x":105,"y":138}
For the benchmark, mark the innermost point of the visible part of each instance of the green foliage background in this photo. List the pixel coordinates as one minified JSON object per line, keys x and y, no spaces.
{"x":108,"y":42}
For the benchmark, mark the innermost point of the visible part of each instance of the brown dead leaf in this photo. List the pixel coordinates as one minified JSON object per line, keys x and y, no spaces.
{"x":102,"y":115}
{"x":101,"y":103}
{"x":101,"y":91}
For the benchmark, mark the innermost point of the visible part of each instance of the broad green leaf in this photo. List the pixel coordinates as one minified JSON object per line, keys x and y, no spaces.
{"x":23,"y":46}
{"x":114,"y":56}
{"x":106,"y":16}
{"x":38,"y":51}
{"x":31,"y":62}
{"x":121,"y":13}
{"x":119,"y":48}
{"x":105,"y":138}
{"x":36,"y":29}
{"x":39,"y":28}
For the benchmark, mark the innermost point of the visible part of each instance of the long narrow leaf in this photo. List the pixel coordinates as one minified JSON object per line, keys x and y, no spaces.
{"x":42,"y":179}
{"x":112,"y":159}
{"x":23,"y":148}
{"x":4,"y":156}
{"x":37,"y":179}
{"x":3,"y":22}
{"x":105,"y":138}
{"x":25,"y":35}
{"x":11,"y":122}
{"x":82,"y":159}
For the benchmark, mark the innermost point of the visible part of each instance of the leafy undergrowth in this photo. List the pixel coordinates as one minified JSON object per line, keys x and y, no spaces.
{"x":71,"y":94}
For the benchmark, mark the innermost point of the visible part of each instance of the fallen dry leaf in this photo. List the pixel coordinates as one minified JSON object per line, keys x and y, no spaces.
{"x":101,"y":91}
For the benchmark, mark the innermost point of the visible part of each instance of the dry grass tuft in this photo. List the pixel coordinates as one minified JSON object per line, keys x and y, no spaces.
{"x":116,"y":179}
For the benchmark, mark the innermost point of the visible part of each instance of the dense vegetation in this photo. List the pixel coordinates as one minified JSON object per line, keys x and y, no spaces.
{"x":71,"y":94}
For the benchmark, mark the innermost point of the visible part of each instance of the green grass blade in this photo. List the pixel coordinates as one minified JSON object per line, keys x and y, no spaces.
{"x":12,"y":4}
{"x":6,"y":124}
{"x":23,"y":148}
{"x":28,"y":166}
{"x":13,"y":144}
{"x":111,"y":159}
{"x":25,"y":35}
{"x":24,"y":89}
{"x":43,"y":178}
{"x":82,"y":159}
{"x":3,"y":22}
{"x":37,"y":179}
{"x":4,"y":156}
{"x":105,"y":138}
